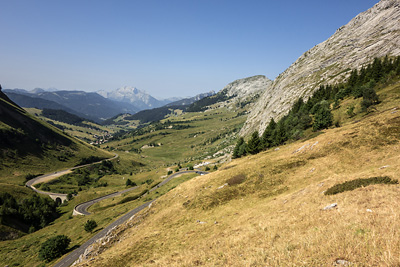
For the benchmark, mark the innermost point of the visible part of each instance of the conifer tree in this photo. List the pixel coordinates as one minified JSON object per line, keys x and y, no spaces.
{"x":239,"y":149}
{"x":254,"y":144}
{"x":268,"y":135}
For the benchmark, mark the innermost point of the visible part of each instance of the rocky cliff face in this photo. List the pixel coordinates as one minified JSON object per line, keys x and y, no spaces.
{"x":244,"y":91}
{"x":250,"y":86}
{"x":373,"y":33}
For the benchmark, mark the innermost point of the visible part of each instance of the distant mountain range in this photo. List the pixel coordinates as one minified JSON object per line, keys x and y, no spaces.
{"x":84,"y":104}
{"x":96,"y":106}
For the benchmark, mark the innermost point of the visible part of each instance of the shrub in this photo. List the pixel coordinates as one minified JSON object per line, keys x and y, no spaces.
{"x":31,"y":176}
{"x":45,"y":187}
{"x":130,"y":183}
{"x":350,"y":111}
{"x":149,"y":181}
{"x":361,"y":182}
{"x":237,"y":179}
{"x":54,"y":247}
{"x":88,"y":160}
{"x":207,"y":169}
{"x":90,"y":225}
{"x":369,"y":98}
{"x":169,"y":172}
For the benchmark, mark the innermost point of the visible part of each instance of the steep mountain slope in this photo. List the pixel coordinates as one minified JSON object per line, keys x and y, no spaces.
{"x":29,"y":101}
{"x":373,"y":33}
{"x":28,"y":145}
{"x":238,"y":93}
{"x":134,"y":96}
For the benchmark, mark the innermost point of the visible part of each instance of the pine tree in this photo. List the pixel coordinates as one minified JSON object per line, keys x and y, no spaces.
{"x":239,"y":149}
{"x":280,"y":135}
{"x":254,"y":144}
{"x":376,"y":70}
{"x":267,"y":136}
{"x":353,"y":79}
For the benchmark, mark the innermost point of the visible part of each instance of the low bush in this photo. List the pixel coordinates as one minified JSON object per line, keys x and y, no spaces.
{"x":90,"y":225}
{"x":237,"y":179}
{"x":54,"y":248}
{"x":361,"y":182}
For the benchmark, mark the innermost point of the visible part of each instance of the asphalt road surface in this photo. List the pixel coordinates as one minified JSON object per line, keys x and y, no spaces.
{"x":53,"y":175}
{"x":83,"y":207}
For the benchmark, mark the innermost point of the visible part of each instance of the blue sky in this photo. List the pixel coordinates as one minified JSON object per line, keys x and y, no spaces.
{"x":167,"y":48}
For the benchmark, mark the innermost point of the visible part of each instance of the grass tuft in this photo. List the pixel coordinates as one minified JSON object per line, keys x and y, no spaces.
{"x":357,"y":183}
{"x":237,"y":179}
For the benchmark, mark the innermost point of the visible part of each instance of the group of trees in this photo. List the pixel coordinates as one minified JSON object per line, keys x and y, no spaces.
{"x":29,"y":214}
{"x":316,"y":111}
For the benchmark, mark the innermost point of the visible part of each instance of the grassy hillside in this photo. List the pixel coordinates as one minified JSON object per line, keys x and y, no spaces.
{"x":268,"y":209}
{"x":187,"y":138}
{"x":30,"y":146}
{"x":86,"y":131}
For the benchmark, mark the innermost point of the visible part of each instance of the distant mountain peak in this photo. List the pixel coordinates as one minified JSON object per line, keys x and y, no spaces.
{"x":139,"y":98}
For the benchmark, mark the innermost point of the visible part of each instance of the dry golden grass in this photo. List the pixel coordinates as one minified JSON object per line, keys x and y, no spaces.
{"x":275,"y":216}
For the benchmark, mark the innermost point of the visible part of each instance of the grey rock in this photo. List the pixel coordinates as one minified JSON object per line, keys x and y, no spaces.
{"x":222,"y":186}
{"x":373,"y":33}
{"x":331,"y":206}
{"x":341,"y":262}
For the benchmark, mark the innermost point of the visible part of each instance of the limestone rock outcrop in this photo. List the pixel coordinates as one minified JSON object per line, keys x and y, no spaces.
{"x":373,"y":33}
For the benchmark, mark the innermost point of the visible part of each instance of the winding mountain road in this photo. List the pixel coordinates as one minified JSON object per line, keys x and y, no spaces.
{"x":54,"y":175}
{"x":82,"y":208}
{"x":74,"y":255}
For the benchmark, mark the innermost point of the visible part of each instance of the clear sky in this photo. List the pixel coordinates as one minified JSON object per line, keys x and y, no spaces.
{"x":165,"y":47}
